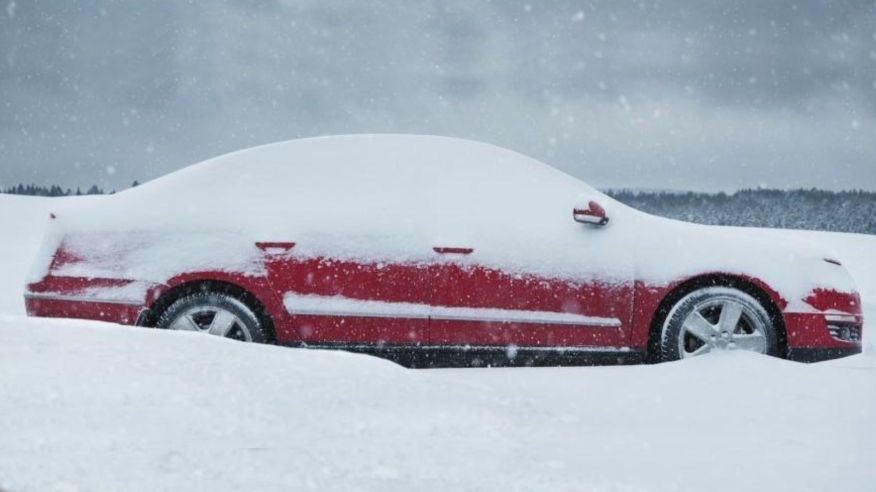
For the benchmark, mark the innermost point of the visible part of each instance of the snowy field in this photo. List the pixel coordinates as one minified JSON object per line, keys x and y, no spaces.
{"x":87,"y":406}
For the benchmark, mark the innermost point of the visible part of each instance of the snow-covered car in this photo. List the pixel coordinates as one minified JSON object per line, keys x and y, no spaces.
{"x":433,"y":251}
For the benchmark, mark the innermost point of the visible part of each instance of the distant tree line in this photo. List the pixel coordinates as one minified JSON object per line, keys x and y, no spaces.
{"x":841,"y":211}
{"x":54,"y":190}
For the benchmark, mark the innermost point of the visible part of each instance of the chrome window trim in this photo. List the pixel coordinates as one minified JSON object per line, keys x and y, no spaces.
{"x":463,"y":348}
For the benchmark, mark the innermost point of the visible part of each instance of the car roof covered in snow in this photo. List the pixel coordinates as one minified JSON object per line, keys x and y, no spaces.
{"x":369,"y":183}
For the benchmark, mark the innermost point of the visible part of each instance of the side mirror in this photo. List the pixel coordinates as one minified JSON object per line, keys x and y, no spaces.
{"x":593,"y":214}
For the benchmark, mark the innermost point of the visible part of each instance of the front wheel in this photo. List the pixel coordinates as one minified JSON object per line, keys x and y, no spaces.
{"x":214,"y":313}
{"x":717,"y":318}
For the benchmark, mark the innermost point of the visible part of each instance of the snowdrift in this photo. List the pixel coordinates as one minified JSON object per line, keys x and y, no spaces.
{"x":97,"y":407}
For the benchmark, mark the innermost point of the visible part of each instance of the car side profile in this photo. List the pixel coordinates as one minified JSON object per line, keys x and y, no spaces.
{"x":433,"y":251}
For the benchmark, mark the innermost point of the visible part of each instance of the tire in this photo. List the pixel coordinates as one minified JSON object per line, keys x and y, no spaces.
{"x":216,"y":314}
{"x":713,"y":319}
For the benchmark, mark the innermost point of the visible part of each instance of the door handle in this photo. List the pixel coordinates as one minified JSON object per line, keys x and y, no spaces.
{"x":444,"y":250}
{"x":274,"y":246}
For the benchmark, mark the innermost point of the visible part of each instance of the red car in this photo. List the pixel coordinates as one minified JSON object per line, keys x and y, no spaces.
{"x":433,"y":251}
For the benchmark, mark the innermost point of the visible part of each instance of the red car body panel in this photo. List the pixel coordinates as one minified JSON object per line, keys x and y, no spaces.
{"x":443,"y":282}
{"x":478,"y":287}
{"x":402,"y":283}
{"x":126,"y":314}
{"x":60,"y":297}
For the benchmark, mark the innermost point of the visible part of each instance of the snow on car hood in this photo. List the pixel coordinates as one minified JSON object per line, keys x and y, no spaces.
{"x":393,"y":198}
{"x":673,"y":250}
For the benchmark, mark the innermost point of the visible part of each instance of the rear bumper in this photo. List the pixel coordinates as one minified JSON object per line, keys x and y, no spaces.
{"x":113,"y":300}
{"x":70,"y":307}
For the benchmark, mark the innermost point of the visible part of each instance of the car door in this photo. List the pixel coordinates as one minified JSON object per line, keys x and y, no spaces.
{"x":339,"y":302}
{"x":477,"y":305}
{"x":536,"y":280}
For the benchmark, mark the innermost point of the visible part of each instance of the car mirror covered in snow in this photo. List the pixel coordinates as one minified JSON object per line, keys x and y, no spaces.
{"x":591,"y":212}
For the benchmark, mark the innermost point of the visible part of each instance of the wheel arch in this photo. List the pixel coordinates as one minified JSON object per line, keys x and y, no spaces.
{"x":256,"y":295}
{"x":771,"y":301}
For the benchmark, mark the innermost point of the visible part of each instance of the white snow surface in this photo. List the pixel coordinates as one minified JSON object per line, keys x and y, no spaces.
{"x":88,"y":406}
{"x":100,"y":407}
{"x":392,"y":198}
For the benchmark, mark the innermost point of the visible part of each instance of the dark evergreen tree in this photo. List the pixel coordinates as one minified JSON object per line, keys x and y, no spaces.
{"x":844,"y":211}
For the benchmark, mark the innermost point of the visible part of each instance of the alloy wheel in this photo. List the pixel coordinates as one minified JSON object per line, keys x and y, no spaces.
{"x":212,"y":320}
{"x":722,"y":324}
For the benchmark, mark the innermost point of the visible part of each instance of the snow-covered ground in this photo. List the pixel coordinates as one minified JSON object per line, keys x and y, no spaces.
{"x":93,"y":406}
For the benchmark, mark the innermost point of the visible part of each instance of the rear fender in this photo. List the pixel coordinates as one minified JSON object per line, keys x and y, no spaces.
{"x":257,"y":286}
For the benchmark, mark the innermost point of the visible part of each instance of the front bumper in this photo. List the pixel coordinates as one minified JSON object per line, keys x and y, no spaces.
{"x":814,"y":337}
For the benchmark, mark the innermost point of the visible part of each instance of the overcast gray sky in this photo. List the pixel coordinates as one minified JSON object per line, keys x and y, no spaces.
{"x":706,"y":94}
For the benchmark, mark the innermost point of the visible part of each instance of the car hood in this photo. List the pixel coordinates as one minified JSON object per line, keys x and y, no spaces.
{"x":673,"y":251}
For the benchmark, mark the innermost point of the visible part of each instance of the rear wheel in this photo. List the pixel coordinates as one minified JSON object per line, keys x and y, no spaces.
{"x":714,"y":319}
{"x":216,"y":314}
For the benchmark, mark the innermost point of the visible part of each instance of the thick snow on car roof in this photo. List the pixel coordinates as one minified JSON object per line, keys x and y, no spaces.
{"x":358,"y":182}
{"x":355,"y":184}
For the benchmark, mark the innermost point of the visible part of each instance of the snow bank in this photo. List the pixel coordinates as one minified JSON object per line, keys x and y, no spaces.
{"x":98,"y":407}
